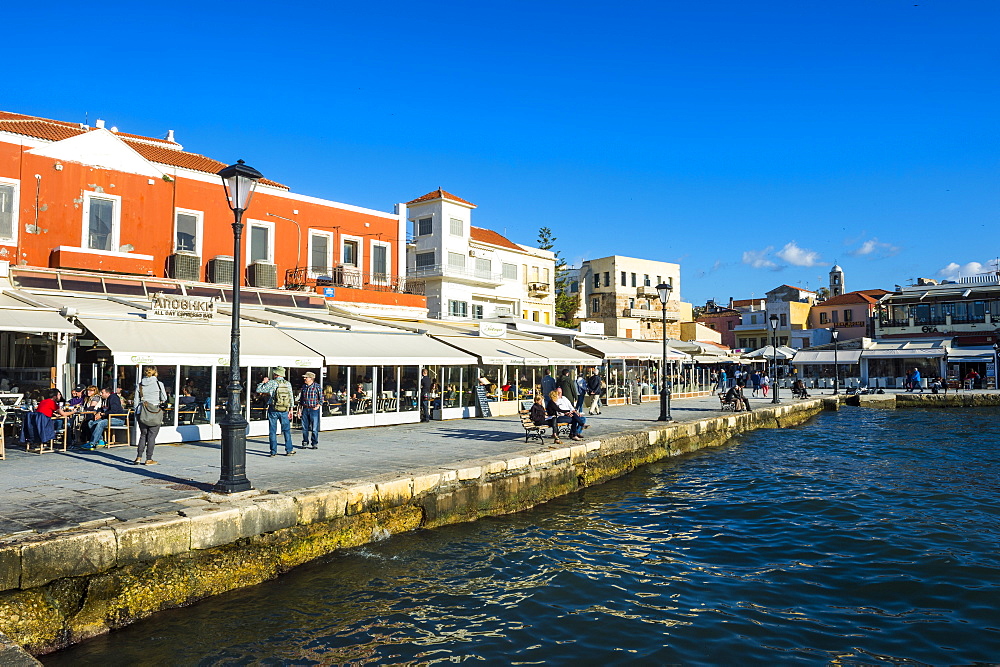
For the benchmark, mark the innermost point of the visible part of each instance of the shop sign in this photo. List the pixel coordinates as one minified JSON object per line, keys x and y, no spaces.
{"x":141,"y":359}
{"x":329,"y":292}
{"x":492,"y":330}
{"x":592,"y":328}
{"x":991,"y":369}
{"x":173,"y":307}
{"x":301,"y":363}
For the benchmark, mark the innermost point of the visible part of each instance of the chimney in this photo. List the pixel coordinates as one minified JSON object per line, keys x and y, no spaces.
{"x":99,"y":124}
{"x":731,"y":303}
{"x":170,"y":136}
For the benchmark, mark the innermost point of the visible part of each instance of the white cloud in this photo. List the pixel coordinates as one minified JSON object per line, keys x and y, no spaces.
{"x":954,"y":270}
{"x":875,"y":247}
{"x":758,"y":259}
{"x":797,"y":256}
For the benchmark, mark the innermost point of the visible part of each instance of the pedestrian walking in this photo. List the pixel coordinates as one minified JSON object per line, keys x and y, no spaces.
{"x":722,"y":380}
{"x":568,"y":385}
{"x":279,"y":409}
{"x":765,"y":383}
{"x":149,"y":414}
{"x":581,"y":391}
{"x":755,"y":382}
{"x":548,"y":383}
{"x":310,"y":401}
{"x":594,"y":387}
{"x":426,"y":389}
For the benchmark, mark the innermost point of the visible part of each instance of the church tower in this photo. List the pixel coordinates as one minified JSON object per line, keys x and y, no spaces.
{"x":836,"y":281}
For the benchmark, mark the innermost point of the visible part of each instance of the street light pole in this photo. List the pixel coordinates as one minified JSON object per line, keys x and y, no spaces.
{"x":663,"y":290}
{"x":996,"y":366}
{"x":773,"y":319}
{"x":239,"y":181}
{"x":836,"y":368}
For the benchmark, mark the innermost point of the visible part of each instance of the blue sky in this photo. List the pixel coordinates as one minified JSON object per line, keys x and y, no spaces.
{"x":755,"y":143}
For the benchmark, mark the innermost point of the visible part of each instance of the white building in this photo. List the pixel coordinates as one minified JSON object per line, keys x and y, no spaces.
{"x":471,"y":272}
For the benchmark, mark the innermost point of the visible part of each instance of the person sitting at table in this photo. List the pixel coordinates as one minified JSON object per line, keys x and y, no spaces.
{"x":49,"y":406}
{"x":92,"y":399}
{"x":111,"y":404}
{"x":76,"y":400}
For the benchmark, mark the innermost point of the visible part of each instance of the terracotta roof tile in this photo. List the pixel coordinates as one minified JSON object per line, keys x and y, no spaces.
{"x":57,"y":130}
{"x":440,"y":194}
{"x":491,"y":237}
{"x":801,"y":289}
{"x":851,"y":297}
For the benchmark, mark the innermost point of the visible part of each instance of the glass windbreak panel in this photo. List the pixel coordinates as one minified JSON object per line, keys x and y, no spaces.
{"x":211,"y":292}
{"x":282,"y":300}
{"x":168,"y":376}
{"x":249,"y":298}
{"x":310,"y":302}
{"x":31,"y":280}
{"x":362,"y":390}
{"x":194,"y":402}
{"x":166,"y":288}
{"x":387,"y":391}
{"x":81,"y":284}
{"x":124,"y":287}
{"x":921,"y":314}
{"x":100,"y":224}
{"x":491,"y":377}
{"x":470,"y":375}
{"x":450,"y":386}
{"x":409,"y":389}
{"x":336,"y":390}
{"x":222,"y":390}
{"x":258,"y":401}
{"x":187,"y":233}
{"x":124,"y":384}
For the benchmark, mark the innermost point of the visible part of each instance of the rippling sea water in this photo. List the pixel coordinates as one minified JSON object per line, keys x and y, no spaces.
{"x":863,"y":537}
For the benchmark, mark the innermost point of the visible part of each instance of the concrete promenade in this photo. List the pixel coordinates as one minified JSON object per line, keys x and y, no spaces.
{"x":56,"y":491}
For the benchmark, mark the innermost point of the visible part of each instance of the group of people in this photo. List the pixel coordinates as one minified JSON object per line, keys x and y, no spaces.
{"x":758,"y":381}
{"x":282,"y":401}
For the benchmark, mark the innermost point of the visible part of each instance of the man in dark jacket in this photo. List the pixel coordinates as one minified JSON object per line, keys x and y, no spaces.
{"x":594,"y":389}
{"x":568,"y":385}
{"x":426,"y":402}
{"x":111,"y":404}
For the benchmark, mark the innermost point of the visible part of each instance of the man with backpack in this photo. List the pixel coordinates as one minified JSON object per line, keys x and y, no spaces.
{"x":279,"y":408}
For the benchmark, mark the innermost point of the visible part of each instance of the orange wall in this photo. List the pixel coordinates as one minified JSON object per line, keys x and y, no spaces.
{"x":147,"y":215}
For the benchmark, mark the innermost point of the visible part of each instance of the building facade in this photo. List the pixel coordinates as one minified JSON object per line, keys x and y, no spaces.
{"x":792,"y":306}
{"x":472,"y":272}
{"x":852,"y":314}
{"x":620,"y":294}
{"x":96,"y":199}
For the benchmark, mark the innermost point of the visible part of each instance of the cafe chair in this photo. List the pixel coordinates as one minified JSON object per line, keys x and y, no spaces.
{"x":38,"y":430}
{"x":114,"y":438}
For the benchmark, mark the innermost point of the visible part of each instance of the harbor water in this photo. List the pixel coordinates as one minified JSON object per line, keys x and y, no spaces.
{"x":863,"y":537}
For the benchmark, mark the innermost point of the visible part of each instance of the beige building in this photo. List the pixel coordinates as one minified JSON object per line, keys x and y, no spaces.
{"x":620,"y":294}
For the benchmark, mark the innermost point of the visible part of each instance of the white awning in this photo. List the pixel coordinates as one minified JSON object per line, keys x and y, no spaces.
{"x":365,"y":348}
{"x":826,"y":357}
{"x":34,"y":320}
{"x":139,"y":341}
{"x":914,"y":352}
{"x":971,"y":354}
{"x":557,"y":354}
{"x":617,"y":348}
{"x":495,"y":351}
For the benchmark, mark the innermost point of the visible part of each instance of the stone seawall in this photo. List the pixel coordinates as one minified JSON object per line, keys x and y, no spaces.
{"x":61,"y":588}
{"x":926,"y":400}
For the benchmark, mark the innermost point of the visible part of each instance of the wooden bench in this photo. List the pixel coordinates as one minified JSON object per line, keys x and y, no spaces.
{"x":531,"y":429}
{"x":727,"y":405}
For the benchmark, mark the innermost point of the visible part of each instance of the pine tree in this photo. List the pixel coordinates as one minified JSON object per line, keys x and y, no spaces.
{"x":566,"y":303}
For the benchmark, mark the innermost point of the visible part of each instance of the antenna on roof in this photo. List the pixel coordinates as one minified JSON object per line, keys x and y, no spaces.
{"x":86,"y":118}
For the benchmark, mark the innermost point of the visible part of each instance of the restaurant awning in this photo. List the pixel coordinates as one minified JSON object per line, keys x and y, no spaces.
{"x":971,"y":354}
{"x":826,"y":357}
{"x":617,"y":348}
{"x":364,"y":348}
{"x":494,"y":351}
{"x":557,"y":354}
{"x":16,"y":315}
{"x":905,"y":349}
{"x":139,"y":341}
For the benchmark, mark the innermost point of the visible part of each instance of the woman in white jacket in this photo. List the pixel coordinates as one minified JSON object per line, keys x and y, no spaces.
{"x":149,"y":399}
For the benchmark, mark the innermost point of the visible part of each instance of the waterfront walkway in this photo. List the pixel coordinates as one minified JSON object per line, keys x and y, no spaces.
{"x":56,"y":491}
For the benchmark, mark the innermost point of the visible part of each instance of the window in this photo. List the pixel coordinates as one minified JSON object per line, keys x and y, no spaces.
{"x":545,"y":276}
{"x":456,"y":260}
{"x":659,"y":280}
{"x":574,"y":287}
{"x":534,"y":274}
{"x":320,"y":253}
{"x":477,"y":311}
{"x":595,"y":305}
{"x":349,"y":252}
{"x":731,"y":324}
{"x":483,"y":266}
{"x":624,"y":279}
{"x":380,"y":259}
{"x":783,"y":320}
{"x":101,"y":217}
{"x":424,"y":259}
{"x":823,"y":318}
{"x":456,"y":227}
{"x":545,"y":316}
{"x":834,"y":317}
{"x":259,"y":245}
{"x":631,"y":303}
{"x":597,"y":280}
{"x":424,"y":226}
{"x":8,"y":208}
{"x":534,"y":316}
{"x":607,"y":279}
{"x":783,"y":340}
{"x":510,"y":271}
{"x":457,"y":308}
{"x":848,"y":315}
{"x":187,"y":231}
{"x":634,"y":284}
{"x":524,"y":275}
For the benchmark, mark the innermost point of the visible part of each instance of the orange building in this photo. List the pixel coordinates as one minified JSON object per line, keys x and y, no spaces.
{"x":96,"y":199}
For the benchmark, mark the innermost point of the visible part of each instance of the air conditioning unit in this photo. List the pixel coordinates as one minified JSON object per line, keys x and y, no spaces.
{"x":263,"y":274}
{"x":220,"y":270}
{"x":473,"y":253}
{"x":184,"y":266}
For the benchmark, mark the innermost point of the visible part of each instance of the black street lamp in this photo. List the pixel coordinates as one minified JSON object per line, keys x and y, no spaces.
{"x":945,"y":378}
{"x":836,"y":368}
{"x":664,"y":290}
{"x":996,"y":366}
{"x":240,"y":181}
{"x":773,"y":319}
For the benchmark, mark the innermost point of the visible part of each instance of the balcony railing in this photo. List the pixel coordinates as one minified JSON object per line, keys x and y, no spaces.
{"x":650,"y":313}
{"x":894,"y":323}
{"x":456,"y":272}
{"x":304,"y":279}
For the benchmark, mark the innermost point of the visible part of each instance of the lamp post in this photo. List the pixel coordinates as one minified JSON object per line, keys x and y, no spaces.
{"x":945,"y":378}
{"x":664,"y":290}
{"x":239,"y":181}
{"x":773,"y":319}
{"x":836,"y":368}
{"x":996,"y":366}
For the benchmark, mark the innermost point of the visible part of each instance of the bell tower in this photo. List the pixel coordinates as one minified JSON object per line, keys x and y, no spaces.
{"x":836,"y":281}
